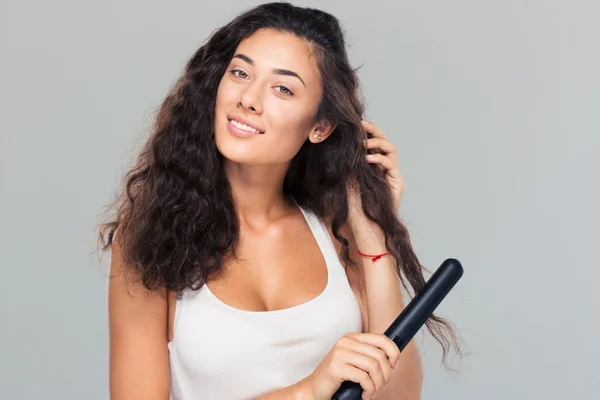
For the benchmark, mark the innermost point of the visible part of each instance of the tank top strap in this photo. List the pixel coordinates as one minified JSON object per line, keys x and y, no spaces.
{"x":321,"y":234}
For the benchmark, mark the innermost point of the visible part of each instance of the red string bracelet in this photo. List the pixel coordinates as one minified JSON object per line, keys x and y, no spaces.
{"x":373,"y":257}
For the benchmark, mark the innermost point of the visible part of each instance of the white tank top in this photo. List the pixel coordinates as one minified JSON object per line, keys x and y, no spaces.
{"x":220,"y":352}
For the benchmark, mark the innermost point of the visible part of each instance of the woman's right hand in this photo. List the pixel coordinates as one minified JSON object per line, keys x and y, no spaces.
{"x":364,"y":358}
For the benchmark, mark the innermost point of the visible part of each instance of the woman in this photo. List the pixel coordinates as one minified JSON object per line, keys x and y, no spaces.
{"x":238,"y":267}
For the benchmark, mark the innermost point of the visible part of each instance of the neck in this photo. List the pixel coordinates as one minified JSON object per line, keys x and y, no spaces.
{"x":258,"y":192}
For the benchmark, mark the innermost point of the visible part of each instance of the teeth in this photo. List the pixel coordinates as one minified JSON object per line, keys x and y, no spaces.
{"x":244,"y":127}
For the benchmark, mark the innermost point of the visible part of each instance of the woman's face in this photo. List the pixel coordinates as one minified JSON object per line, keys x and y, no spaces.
{"x":272,"y":84}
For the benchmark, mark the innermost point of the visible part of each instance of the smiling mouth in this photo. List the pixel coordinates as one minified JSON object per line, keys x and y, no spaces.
{"x":245,"y":127}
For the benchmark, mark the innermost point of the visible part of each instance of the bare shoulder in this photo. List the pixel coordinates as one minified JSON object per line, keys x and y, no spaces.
{"x":139,"y":364}
{"x":125,"y":287}
{"x":354,"y":274}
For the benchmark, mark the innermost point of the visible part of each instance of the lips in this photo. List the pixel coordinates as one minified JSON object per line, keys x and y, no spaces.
{"x":246,"y":122}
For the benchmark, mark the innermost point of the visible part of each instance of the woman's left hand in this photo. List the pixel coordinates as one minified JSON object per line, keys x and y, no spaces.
{"x":387,"y":160}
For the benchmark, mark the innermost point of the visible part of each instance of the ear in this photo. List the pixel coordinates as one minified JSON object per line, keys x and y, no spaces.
{"x":321,"y":131}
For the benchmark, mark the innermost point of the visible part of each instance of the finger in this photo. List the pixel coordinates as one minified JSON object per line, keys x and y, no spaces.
{"x":383,"y":145}
{"x":378,"y":340}
{"x":351,"y":373}
{"x":370,"y":354}
{"x":373,"y":129}
{"x":385,"y":162}
{"x":372,"y":366}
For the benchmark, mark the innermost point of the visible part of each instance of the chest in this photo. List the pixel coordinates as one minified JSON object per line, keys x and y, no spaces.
{"x":279,"y":269}
{"x":259,"y":351}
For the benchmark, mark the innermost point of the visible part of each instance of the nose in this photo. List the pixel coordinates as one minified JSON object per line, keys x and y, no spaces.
{"x":251,"y":98}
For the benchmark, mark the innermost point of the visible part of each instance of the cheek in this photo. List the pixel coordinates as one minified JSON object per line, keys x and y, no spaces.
{"x":289,"y":117}
{"x":289,"y":128}
{"x":225,"y":94}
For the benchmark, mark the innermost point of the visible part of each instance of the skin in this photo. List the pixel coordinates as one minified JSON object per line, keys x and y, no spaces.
{"x":284,"y":266}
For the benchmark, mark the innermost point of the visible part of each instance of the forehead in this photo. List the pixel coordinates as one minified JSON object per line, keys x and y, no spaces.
{"x":270,"y":49}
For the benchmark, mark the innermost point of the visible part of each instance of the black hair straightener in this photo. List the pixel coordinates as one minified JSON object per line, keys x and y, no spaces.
{"x":413,"y":317}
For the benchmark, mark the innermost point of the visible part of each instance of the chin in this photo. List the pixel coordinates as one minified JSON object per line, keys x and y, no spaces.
{"x":238,"y":157}
{"x":234,"y":150}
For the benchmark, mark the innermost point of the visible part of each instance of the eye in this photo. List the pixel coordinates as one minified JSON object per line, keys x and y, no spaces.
{"x":285,"y":91}
{"x":241,"y":74}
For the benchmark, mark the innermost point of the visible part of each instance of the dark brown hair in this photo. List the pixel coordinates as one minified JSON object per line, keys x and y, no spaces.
{"x":176,"y":218}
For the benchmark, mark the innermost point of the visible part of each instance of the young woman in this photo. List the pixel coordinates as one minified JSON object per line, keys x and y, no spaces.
{"x":238,"y":244}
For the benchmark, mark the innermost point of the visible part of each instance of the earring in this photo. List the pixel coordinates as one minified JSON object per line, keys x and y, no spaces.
{"x":317,"y":136}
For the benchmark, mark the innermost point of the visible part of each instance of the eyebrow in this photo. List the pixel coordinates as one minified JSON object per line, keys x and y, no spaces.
{"x":277,"y":71}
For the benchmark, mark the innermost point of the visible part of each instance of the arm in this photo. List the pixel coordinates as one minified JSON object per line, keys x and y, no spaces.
{"x":382,"y":303}
{"x":297,"y":391}
{"x":139,"y":364}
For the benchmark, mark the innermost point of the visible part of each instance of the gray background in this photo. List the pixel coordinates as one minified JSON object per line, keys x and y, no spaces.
{"x":492,"y":104}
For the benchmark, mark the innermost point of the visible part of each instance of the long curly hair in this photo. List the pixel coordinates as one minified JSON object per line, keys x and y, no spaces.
{"x":175,"y":214}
